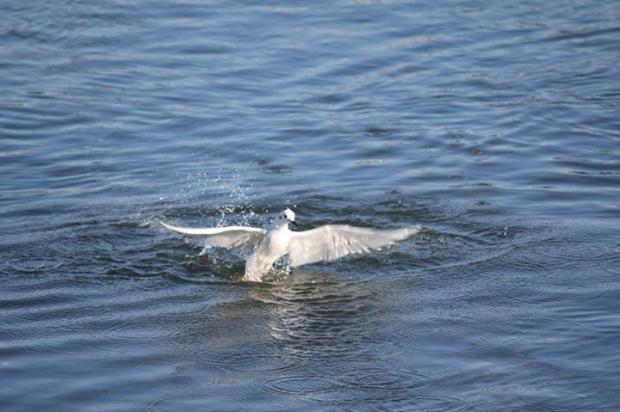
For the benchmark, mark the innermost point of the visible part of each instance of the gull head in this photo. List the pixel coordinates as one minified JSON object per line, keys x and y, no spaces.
{"x":289,"y":215}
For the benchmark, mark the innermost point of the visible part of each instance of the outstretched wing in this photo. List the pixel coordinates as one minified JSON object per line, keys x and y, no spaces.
{"x":331,"y":242}
{"x":227,"y":237}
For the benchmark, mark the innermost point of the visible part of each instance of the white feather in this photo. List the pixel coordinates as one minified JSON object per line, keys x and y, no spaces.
{"x":226,"y":237}
{"x":331,"y":242}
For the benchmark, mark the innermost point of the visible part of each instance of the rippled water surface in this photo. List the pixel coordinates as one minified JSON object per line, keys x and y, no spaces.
{"x":495,"y":125}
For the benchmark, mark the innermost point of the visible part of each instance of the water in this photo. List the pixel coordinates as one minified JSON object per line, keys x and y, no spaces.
{"x":495,"y":125}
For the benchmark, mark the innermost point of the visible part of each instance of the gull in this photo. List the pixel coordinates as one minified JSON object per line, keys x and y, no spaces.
{"x":322,"y":244}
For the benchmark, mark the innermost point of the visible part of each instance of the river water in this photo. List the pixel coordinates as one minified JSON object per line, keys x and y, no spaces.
{"x":495,"y":125}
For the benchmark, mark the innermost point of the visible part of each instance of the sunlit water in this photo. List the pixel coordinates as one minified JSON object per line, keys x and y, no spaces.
{"x":495,"y":125}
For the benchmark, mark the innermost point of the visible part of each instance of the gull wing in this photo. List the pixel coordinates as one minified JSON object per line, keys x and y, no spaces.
{"x":226,"y":237}
{"x":331,"y":242}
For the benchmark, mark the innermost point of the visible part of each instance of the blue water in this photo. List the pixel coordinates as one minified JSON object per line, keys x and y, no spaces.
{"x":495,"y":125}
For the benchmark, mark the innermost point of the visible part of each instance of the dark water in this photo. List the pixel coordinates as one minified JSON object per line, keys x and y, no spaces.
{"x":496,"y":125}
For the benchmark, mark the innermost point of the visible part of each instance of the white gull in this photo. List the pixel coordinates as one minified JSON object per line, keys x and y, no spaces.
{"x":322,"y":244}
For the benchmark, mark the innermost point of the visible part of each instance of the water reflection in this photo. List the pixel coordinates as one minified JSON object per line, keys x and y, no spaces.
{"x":310,"y":337}
{"x":315,"y":316}
{"x":328,"y":327}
